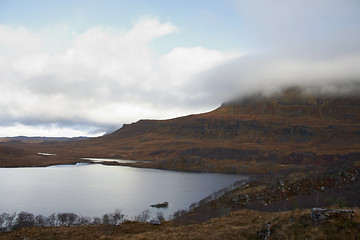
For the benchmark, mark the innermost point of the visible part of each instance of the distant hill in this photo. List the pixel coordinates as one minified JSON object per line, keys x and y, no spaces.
{"x":40,"y":139}
{"x":257,"y":134}
{"x":307,"y":143}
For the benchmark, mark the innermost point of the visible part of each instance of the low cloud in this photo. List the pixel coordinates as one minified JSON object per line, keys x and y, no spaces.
{"x":105,"y":78}
{"x":270,"y":74}
{"x":293,"y":43}
{"x":318,"y":28}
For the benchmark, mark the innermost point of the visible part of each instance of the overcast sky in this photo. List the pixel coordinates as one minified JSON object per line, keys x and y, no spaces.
{"x":82,"y":68}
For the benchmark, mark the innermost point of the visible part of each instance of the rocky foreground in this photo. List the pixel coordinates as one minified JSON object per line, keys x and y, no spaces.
{"x":302,"y":149}
{"x":296,"y":205}
{"x":243,"y":224}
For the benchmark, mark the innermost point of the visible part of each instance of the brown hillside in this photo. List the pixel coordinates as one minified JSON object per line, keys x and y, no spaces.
{"x":256,"y":134}
{"x":244,"y":224}
{"x":26,"y":156}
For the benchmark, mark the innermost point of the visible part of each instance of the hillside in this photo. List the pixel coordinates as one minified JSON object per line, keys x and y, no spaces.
{"x":307,"y":144}
{"x":26,"y":156}
{"x":258,"y":134}
{"x":244,"y":224}
{"x":40,"y":139}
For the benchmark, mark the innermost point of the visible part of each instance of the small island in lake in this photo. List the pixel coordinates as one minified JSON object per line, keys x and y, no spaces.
{"x":160,"y":205}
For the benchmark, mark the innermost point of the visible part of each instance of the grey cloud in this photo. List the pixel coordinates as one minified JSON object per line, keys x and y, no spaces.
{"x":269,"y":74}
{"x":306,"y":43}
{"x":321,"y":27}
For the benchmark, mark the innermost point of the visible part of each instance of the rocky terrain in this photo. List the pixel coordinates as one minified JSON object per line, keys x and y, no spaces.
{"x":302,"y":150}
{"x":244,"y":224}
{"x":267,"y":207}
{"x":259,"y":134}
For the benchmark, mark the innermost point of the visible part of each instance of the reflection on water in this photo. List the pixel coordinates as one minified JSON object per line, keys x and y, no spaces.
{"x":94,"y":189}
{"x":99,"y":160}
{"x":47,"y":154}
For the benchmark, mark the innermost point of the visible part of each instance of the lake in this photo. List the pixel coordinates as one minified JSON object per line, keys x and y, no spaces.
{"x":95,"y":189}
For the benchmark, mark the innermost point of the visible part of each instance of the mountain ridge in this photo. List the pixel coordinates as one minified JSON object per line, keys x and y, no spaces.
{"x":258,"y":134}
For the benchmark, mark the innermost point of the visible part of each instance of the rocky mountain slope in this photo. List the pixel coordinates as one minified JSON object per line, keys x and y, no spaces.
{"x":257,"y":134}
{"x":308,"y":144}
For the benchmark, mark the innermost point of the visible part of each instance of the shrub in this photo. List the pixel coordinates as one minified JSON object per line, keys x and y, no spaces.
{"x":24,"y":219}
{"x":143,"y":217}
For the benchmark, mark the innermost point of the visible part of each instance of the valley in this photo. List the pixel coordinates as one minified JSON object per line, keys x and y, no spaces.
{"x":258,"y":134}
{"x":300,"y":150}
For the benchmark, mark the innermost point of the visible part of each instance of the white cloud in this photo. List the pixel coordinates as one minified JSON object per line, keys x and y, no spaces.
{"x":302,"y":27}
{"x":17,"y":41}
{"x":104,"y":77}
{"x":269,"y":74}
{"x":52,"y":130}
{"x":306,"y":43}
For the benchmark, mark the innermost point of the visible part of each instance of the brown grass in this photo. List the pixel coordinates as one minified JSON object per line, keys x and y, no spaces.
{"x":244,"y":224}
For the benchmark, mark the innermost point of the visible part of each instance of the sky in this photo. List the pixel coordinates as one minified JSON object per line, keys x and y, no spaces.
{"x":84,"y":68}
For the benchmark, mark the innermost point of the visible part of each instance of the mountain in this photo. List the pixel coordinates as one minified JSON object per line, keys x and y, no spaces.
{"x":40,"y":139}
{"x":257,"y":134}
{"x":309,"y":143}
{"x":20,"y":154}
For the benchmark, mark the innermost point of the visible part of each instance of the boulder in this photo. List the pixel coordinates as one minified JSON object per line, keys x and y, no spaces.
{"x":155,"y":222}
{"x":319,"y":214}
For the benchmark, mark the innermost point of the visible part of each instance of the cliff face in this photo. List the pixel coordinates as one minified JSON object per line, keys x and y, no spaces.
{"x":260,"y":116}
{"x":294,"y":102}
{"x":255,"y":134}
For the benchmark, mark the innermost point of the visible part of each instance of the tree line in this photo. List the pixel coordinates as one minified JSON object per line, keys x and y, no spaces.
{"x":24,"y":219}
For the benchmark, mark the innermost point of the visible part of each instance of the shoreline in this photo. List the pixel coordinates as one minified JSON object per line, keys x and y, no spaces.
{"x":126,"y":165}
{"x":135,"y":164}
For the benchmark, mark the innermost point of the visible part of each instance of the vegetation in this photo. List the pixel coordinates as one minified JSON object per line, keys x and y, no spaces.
{"x":290,"y":131}
{"x":243,"y":224}
{"x":21,"y":220}
{"x":267,"y":207}
{"x":303,"y":148}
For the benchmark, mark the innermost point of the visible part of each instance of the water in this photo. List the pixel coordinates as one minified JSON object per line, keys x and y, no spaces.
{"x":100,"y":160}
{"x":94,"y":189}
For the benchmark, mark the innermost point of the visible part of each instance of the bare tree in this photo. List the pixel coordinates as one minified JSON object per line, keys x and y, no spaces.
{"x":96,"y":221}
{"x":84,"y":220}
{"x":61,"y":218}
{"x":52,"y":220}
{"x":143,"y":217}
{"x":3,"y":220}
{"x":67,"y":218}
{"x":41,"y":220}
{"x":106,"y":219}
{"x":118,"y":217}
{"x":24,"y":219}
{"x":10,"y":221}
{"x":160,"y":216}
{"x":72,"y":217}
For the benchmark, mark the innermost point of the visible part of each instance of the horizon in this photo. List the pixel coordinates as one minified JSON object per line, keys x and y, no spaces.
{"x":83,"y":69}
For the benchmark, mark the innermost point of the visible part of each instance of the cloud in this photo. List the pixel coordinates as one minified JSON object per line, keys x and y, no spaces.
{"x":269,"y":74}
{"x":322,"y":26}
{"x":104,"y":78}
{"x":54,"y":130}
{"x":17,"y":41}
{"x":304,"y":43}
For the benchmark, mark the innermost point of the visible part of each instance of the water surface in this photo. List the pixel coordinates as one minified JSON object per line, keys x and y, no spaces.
{"x":94,"y":189}
{"x":100,"y":160}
